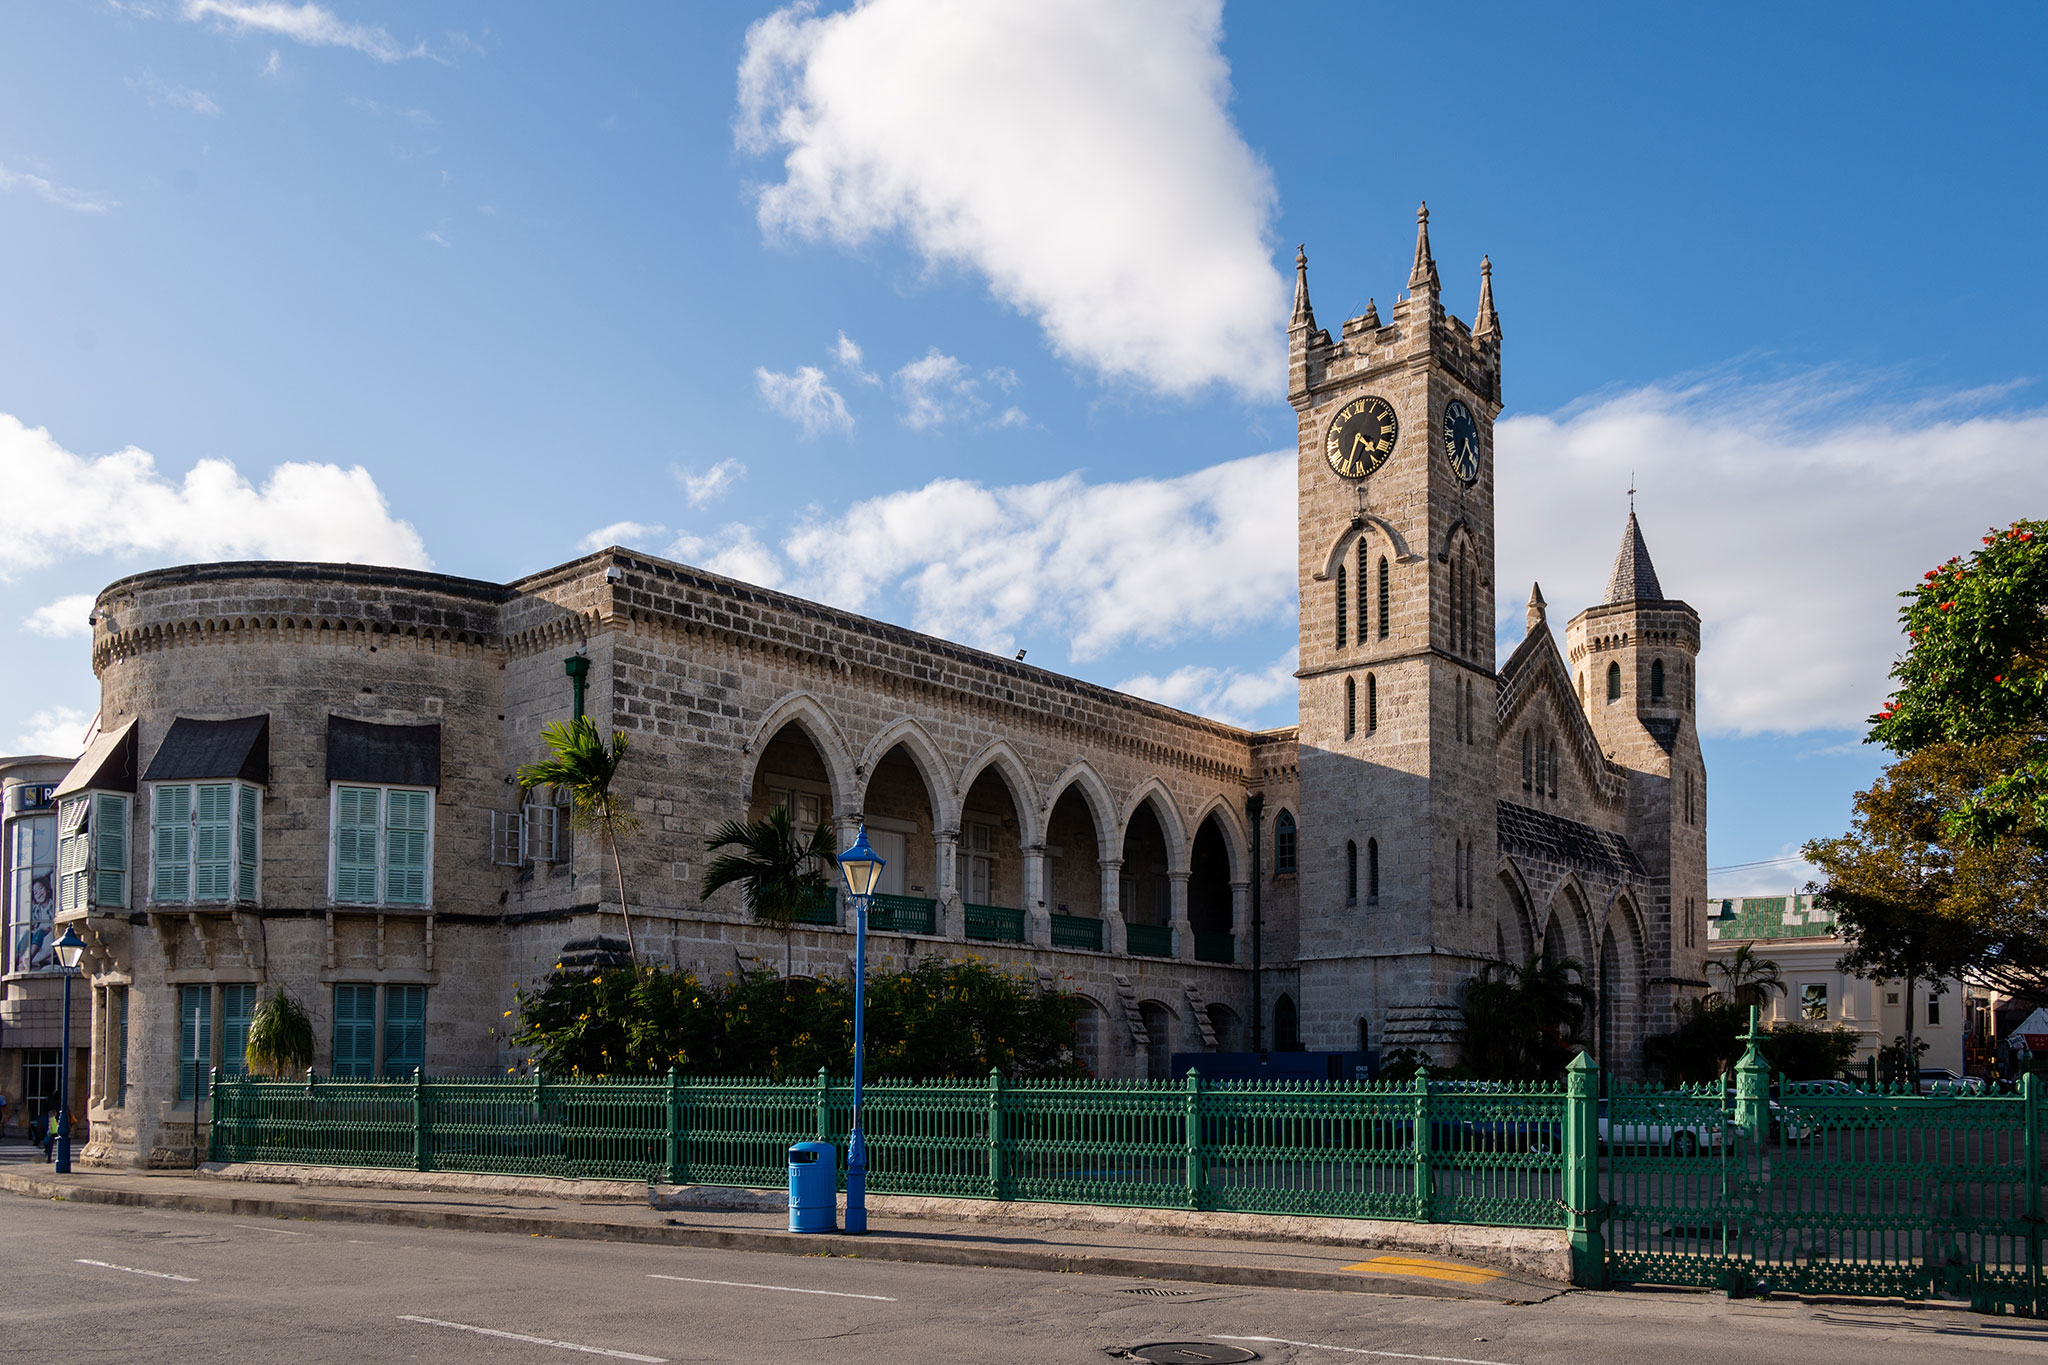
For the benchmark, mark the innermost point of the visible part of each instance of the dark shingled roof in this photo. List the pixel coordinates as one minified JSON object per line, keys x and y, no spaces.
{"x":388,"y":755}
{"x":1539,"y":834}
{"x":196,"y":750}
{"x":1634,"y":578}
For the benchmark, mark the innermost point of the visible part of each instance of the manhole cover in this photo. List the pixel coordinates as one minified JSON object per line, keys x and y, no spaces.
{"x":1189,"y":1353}
{"x":1158,"y":1293}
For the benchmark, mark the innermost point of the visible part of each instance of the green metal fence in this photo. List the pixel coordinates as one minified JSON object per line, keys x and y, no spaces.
{"x":1425,"y":1151}
{"x":1148,"y":940}
{"x":994,"y":923}
{"x":1076,"y":931}
{"x":903,"y":914}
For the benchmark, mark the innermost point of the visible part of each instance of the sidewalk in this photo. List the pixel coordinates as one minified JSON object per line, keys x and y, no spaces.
{"x":618,"y":1211}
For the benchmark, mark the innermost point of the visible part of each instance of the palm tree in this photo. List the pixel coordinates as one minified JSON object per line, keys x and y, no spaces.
{"x":1523,"y":1022}
{"x":1747,"y":979}
{"x":777,"y":869}
{"x":280,"y":1036}
{"x":585,"y":767}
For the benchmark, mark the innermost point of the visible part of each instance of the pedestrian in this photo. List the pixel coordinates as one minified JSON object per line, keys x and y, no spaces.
{"x":49,"y":1136}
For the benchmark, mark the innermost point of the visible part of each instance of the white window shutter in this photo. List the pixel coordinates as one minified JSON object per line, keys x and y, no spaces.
{"x":542,"y":824}
{"x":508,"y":837}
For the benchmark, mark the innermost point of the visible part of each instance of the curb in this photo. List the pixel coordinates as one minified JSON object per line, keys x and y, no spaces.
{"x":874,"y":1247}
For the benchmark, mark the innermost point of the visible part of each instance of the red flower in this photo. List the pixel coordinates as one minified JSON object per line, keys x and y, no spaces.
{"x":1947,"y":606}
{"x":1930,"y":574}
{"x":1998,"y":677}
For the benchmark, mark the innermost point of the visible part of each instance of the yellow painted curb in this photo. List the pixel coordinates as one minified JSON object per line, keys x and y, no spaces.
{"x":1424,"y":1268}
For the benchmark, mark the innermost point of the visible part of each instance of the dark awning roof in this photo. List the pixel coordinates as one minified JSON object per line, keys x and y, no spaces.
{"x":198,"y":749}
{"x":108,"y":766}
{"x":389,"y":755}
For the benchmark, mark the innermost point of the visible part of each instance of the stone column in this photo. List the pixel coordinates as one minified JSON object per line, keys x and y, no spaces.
{"x":1183,"y":932}
{"x":1112,"y":906}
{"x":1241,"y":922}
{"x":1037,"y":919}
{"x":952,"y":917}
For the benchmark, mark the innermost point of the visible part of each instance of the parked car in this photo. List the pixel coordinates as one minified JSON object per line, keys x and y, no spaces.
{"x":1681,"y":1125}
{"x":1939,"y":1080}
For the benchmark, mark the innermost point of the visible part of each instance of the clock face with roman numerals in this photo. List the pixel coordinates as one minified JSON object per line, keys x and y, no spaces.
{"x":1362,"y":436}
{"x":1461,"y":441}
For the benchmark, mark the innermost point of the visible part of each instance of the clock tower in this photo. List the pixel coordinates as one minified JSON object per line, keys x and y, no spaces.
{"x":1398,"y":690}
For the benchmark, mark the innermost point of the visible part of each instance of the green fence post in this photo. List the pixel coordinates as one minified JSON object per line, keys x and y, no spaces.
{"x":675,"y":1126}
{"x":1753,"y":1085}
{"x":419,"y":1120}
{"x":2031,"y":1095}
{"x":1193,"y":1112}
{"x":824,"y":1106}
{"x":1425,"y":1184}
{"x":221,"y":1117}
{"x":1582,"y":1172}
{"x":995,"y":1134}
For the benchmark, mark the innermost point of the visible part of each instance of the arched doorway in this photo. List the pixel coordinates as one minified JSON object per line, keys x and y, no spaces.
{"x":793,"y":774}
{"x":1073,"y":873}
{"x":898,"y":811}
{"x":1227,"y":1027}
{"x":1146,"y":896}
{"x":1209,"y":896}
{"x":1286,"y":1025}
{"x":991,"y":859}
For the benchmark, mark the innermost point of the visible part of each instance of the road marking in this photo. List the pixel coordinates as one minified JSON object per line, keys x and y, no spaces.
{"x":783,"y":1288}
{"x":1361,"y":1351}
{"x":536,"y":1341}
{"x":1424,"y":1268}
{"x":153,"y":1274}
{"x":258,"y":1227}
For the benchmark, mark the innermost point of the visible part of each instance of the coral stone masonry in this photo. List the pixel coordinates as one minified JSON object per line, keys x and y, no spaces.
{"x":303,"y":776}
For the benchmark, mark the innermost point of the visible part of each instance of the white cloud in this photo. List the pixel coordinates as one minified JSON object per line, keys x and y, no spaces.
{"x":437,"y":239}
{"x":307,"y":23}
{"x":62,"y":504}
{"x":939,"y":389}
{"x":736,"y":554}
{"x":848,"y":354}
{"x":712,"y":484}
{"x":1080,"y":156}
{"x":157,"y":91}
{"x":58,"y":731}
{"x":1231,"y":695}
{"x":63,"y":196}
{"x":805,"y":398}
{"x":1149,"y":560}
{"x":624,"y":533}
{"x":62,"y":618}
{"x":1789,"y":514}
{"x":1778,"y":876}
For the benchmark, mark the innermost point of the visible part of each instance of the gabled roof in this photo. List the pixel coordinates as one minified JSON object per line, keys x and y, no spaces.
{"x":1534,"y":667}
{"x":1634,"y":578}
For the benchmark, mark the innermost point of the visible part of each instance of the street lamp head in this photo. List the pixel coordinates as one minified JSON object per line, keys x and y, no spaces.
{"x":861,"y":866}
{"x":70,"y":948}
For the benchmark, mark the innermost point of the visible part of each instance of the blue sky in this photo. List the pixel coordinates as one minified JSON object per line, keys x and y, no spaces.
{"x":969,"y":317}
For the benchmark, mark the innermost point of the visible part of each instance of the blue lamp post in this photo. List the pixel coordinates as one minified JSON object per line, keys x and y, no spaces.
{"x":862,"y":868}
{"x":69,"y":949}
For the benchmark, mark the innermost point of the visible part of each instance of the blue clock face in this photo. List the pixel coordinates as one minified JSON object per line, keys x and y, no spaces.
{"x":1461,"y":441}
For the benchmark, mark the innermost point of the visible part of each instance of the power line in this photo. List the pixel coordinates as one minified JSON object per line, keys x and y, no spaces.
{"x":1762,"y":862}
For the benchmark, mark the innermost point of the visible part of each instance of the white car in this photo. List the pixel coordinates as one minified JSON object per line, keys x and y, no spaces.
{"x":1681,"y":1127}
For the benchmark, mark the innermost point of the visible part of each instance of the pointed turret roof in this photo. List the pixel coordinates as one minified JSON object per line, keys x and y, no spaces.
{"x":1424,"y":275}
{"x":1634,"y":578}
{"x":1304,"y":316}
{"x":1537,"y":606}
{"x":1486,"y":322}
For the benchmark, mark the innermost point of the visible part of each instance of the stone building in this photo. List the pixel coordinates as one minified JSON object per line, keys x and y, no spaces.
{"x":308,"y":769}
{"x":31,"y":980}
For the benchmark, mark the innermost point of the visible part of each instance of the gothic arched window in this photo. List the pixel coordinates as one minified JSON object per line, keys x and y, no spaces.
{"x":1285,"y":842}
{"x":1458,"y":873}
{"x":1552,"y":765}
{"x":1383,"y":597}
{"x":1372,"y":704}
{"x":1350,"y":707}
{"x":1286,"y":1025}
{"x":1458,"y":605}
{"x":1343,"y":598}
{"x":1372,"y":871}
{"x":1362,"y":580}
{"x":1582,"y":690}
{"x":1350,"y":872}
{"x":1656,"y":680}
{"x":1542,"y":770}
{"x":1614,"y":682}
{"x":1528,"y":760}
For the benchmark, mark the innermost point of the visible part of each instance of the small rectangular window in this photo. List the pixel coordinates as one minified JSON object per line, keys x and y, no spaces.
{"x":355,"y":1031}
{"x":1813,"y":1001}
{"x":508,"y":838}
{"x":237,"y":1005}
{"x":1933,"y":1010}
{"x":405,"y":1029}
{"x":382,"y":846}
{"x":195,"y":1040}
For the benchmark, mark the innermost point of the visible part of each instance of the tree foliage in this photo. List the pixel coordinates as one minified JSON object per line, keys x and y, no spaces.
{"x":1526,"y":1022}
{"x":779,"y":870}
{"x":1746,"y":978}
{"x":1709,"y":1041}
{"x":280,"y":1036}
{"x":939,"y":1018}
{"x":587,"y":768}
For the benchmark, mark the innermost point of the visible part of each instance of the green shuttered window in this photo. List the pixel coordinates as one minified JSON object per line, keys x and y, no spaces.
{"x":248,"y":835}
{"x":383,"y":850}
{"x":171,"y":843}
{"x":92,"y":851}
{"x":405,"y":1029}
{"x":195,"y":1040}
{"x":237,"y":1003}
{"x":204,"y":842}
{"x":355,"y":1030}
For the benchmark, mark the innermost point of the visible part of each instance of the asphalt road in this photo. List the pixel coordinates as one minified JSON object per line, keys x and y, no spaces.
{"x":93,"y":1283}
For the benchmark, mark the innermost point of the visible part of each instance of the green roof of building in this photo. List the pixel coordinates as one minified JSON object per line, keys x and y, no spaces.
{"x":1754,"y":917}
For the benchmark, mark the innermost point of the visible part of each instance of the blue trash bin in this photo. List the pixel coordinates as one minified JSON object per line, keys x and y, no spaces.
{"x":813,"y":1187}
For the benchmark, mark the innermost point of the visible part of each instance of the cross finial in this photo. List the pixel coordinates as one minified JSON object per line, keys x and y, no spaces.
{"x":1631,"y":492}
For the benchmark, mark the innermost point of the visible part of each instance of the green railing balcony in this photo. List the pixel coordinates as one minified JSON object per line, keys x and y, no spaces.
{"x":822,"y":909}
{"x":1215,"y":946}
{"x":903,"y":914}
{"x":1149,"y":940}
{"x":1076,"y":931}
{"x":995,"y":924}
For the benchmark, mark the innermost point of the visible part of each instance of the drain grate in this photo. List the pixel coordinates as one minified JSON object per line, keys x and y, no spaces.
{"x":1189,"y":1353}
{"x":1152,"y":1292}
